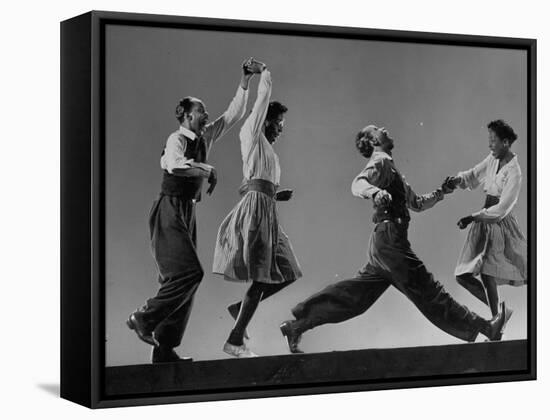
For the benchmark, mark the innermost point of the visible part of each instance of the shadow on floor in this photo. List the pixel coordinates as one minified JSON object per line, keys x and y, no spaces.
{"x":52,"y":389}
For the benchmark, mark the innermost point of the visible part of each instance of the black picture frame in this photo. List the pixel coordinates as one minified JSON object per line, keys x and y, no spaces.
{"x":84,"y":378}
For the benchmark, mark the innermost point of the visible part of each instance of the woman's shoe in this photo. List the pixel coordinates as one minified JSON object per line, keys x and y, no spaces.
{"x":241,"y":352}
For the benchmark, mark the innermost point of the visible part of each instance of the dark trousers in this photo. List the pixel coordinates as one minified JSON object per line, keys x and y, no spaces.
{"x":173,"y":241}
{"x":390,"y":262}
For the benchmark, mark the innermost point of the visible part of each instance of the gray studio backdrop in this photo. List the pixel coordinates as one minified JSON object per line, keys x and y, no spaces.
{"x":434,"y":100}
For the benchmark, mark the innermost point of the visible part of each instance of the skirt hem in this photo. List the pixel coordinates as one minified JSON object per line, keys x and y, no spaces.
{"x":249,"y":280}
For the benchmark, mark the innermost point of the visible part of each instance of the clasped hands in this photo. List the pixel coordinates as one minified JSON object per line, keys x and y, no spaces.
{"x":252,"y":66}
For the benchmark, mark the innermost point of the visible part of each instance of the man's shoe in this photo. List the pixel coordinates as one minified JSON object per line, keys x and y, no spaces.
{"x":507,"y":316}
{"x":240,"y":352}
{"x":498,"y":323}
{"x":233,"y":310}
{"x":292,"y":336}
{"x":163,"y":355}
{"x":143,"y":334}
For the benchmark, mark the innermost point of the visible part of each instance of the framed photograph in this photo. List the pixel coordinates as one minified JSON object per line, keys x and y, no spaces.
{"x":255,"y":209}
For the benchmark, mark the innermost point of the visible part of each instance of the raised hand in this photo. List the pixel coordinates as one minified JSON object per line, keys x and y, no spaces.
{"x":246,"y":67}
{"x":382,"y":198}
{"x":284,"y":195}
{"x":256,"y":66}
{"x":247,"y":73}
{"x":212,"y":180}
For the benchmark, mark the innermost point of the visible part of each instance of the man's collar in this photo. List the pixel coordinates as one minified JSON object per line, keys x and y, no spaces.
{"x":187,"y":133}
{"x":378,"y":154}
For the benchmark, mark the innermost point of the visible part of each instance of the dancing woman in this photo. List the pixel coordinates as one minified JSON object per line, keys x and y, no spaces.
{"x":495,"y":248}
{"x":251,"y":246}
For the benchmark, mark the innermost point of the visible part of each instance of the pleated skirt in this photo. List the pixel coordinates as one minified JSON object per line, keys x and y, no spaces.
{"x":495,"y":249}
{"x":251,"y":245}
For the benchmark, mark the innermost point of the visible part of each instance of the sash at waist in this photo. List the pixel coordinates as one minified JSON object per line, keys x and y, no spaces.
{"x":260,"y":185}
{"x":186,"y":188}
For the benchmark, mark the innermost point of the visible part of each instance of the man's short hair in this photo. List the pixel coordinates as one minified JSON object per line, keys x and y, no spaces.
{"x":184,"y":107}
{"x":364,"y":144}
{"x":503,"y":130}
{"x":275,"y":109}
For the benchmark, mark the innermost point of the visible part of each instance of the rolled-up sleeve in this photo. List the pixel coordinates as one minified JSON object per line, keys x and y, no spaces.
{"x":423,"y":202}
{"x":376,"y":176}
{"x":174,"y":161}
{"x":173,"y":156}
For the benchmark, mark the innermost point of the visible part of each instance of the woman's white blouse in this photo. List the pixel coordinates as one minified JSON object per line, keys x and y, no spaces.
{"x":505,"y":184}
{"x":259,"y":159}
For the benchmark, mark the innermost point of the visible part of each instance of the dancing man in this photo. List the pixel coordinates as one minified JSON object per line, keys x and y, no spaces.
{"x":161,"y":322}
{"x":390,"y":259}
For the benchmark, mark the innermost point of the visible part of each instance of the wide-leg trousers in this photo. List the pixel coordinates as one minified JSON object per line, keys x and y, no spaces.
{"x":390,"y":262}
{"x":173,"y":243}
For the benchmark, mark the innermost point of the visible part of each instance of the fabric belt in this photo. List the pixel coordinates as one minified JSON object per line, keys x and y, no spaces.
{"x":260,"y":185}
{"x":184,"y":188}
{"x":397,"y":220}
{"x":184,"y":195}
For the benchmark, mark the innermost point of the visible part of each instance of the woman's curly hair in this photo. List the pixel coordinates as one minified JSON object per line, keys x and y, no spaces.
{"x":503,"y":130}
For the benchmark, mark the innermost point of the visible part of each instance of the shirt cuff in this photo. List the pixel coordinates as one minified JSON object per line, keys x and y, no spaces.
{"x":205,"y":167}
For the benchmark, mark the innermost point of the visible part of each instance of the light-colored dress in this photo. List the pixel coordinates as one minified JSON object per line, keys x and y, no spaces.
{"x":495,"y":244}
{"x":251,"y":246}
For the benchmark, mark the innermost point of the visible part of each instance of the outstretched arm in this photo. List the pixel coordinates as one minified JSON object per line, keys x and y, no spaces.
{"x":423,"y":202}
{"x":473,"y":177}
{"x":234,"y":112}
